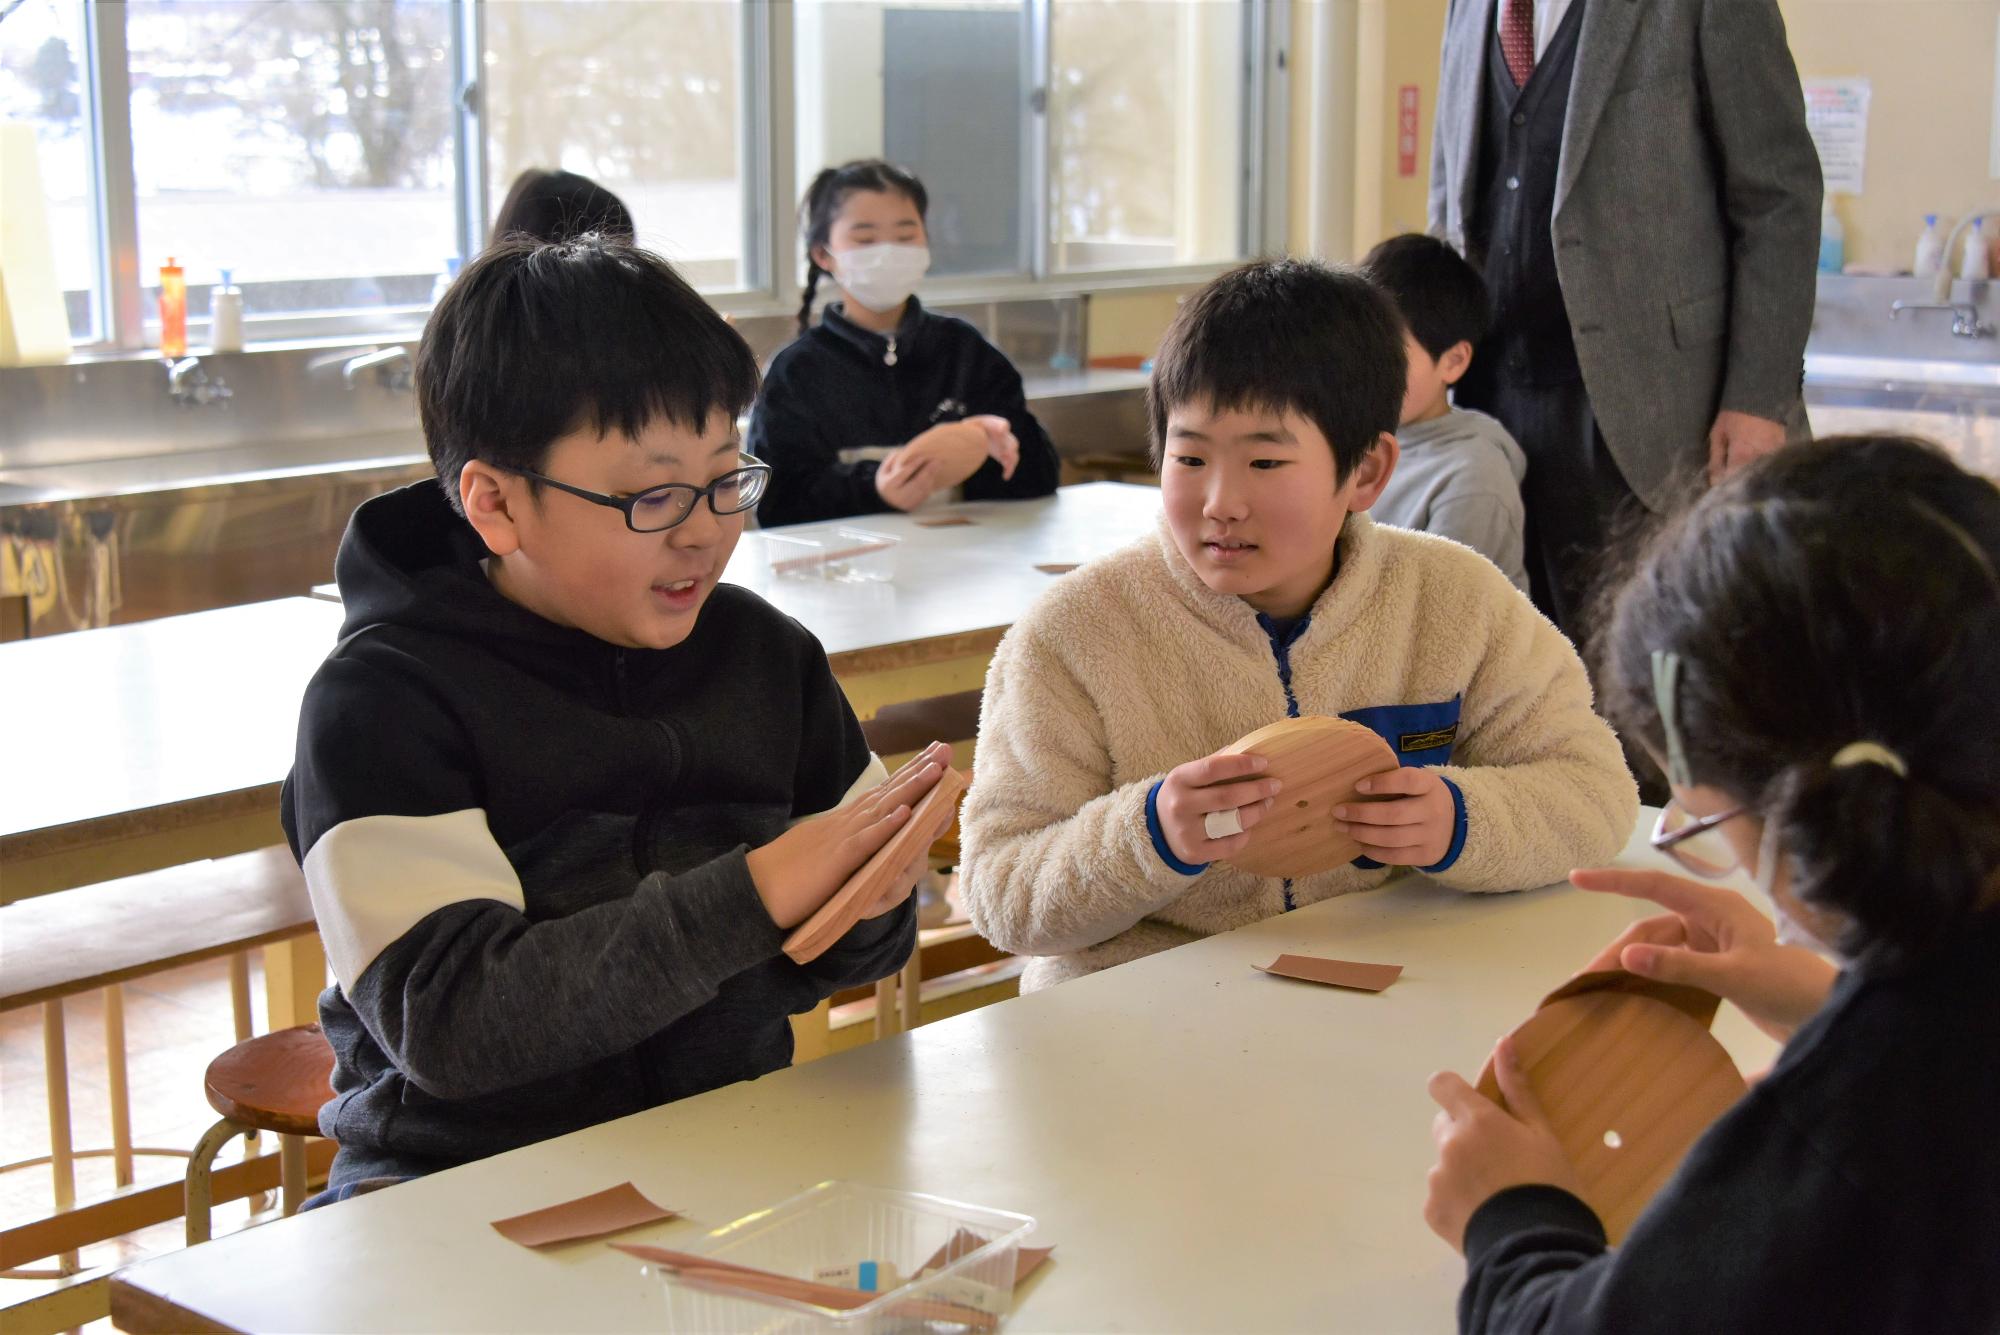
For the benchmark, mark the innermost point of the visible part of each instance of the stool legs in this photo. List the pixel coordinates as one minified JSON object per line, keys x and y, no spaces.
{"x":292,"y":1171}
{"x":912,"y":987}
{"x":62,"y":1159}
{"x":119,"y":1085}
{"x":201,"y":1178}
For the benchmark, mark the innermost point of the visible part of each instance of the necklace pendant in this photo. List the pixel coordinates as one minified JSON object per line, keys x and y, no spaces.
{"x":889,"y":357}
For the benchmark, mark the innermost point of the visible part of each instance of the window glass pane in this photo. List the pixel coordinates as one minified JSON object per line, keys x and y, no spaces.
{"x":645,"y":99}
{"x":307,"y":146}
{"x":43,"y":83}
{"x":1145,"y":133}
{"x":935,"y":86}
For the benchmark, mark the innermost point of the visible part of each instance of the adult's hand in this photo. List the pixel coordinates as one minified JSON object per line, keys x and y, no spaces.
{"x":1737,"y":439}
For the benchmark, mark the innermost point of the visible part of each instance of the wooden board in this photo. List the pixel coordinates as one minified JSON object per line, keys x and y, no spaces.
{"x":1319,"y":760}
{"x":1629,"y":1082}
{"x":931,"y":818}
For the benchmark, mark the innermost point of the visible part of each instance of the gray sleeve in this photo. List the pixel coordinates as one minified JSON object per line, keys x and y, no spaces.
{"x":1771,"y":190}
{"x":1488,"y":522}
{"x":476,"y":997}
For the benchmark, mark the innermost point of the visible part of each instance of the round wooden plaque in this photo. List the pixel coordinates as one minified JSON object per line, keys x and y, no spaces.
{"x":1319,"y":760}
{"x":1629,"y":1083}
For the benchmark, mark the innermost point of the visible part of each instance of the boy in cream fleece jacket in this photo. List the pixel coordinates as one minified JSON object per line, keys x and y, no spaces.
{"x":1266,"y":593}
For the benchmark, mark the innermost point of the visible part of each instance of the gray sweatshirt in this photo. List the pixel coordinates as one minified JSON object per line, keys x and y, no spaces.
{"x":1460,"y":478}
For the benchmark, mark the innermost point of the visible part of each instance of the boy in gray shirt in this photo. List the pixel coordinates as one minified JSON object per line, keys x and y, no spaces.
{"x":1460,"y":472}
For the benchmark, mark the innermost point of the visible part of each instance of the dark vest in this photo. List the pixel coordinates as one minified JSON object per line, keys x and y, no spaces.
{"x":1520,"y":147}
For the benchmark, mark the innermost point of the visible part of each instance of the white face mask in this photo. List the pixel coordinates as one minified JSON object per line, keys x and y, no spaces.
{"x":881,"y":277}
{"x":1791,"y":932}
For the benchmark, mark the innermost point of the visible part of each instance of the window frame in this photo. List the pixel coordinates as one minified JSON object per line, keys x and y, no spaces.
{"x":767,"y":168}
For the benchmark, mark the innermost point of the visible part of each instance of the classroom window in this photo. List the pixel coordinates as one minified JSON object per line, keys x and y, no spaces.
{"x":44,"y":84}
{"x":646,"y":99}
{"x":307,"y":146}
{"x":1146,"y":133}
{"x":941,"y":87}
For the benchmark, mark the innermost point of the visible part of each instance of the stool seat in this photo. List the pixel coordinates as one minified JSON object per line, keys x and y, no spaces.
{"x":274,"y":1082}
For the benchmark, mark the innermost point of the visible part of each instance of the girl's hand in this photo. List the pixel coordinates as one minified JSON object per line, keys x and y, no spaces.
{"x":1483,"y":1149}
{"x":1413,"y":830}
{"x":904,"y":480}
{"x":1716,"y":940}
{"x":1214,"y":783}
{"x":955,"y":451}
{"x":800,"y":869}
{"x":1001,"y":445}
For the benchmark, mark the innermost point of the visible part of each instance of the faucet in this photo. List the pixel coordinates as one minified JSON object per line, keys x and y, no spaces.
{"x":188,"y":384}
{"x":1941,"y":285}
{"x":1965,"y":321}
{"x":391,"y":367}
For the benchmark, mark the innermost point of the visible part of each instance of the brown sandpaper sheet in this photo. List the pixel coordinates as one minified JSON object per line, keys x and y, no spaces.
{"x":593,"y":1216}
{"x":1335,"y":973}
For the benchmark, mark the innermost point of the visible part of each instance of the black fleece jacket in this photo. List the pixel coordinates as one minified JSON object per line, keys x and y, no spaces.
{"x":1856,"y":1188}
{"x":839,"y":387}
{"x":525,"y":849}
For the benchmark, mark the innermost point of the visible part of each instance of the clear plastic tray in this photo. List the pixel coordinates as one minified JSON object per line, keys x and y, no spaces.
{"x":832,"y":552}
{"x":842,"y":1224}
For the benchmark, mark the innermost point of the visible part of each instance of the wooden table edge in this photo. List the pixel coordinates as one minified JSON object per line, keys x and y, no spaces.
{"x":143,"y":1312}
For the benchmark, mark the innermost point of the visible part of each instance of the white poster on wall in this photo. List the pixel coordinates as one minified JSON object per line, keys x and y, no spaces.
{"x":1837,"y":115}
{"x":1994,"y":139}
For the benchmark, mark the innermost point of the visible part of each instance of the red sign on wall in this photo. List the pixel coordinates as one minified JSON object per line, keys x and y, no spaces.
{"x":1406,"y":130}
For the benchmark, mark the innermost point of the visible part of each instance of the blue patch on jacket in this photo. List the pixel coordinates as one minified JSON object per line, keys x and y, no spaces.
{"x":1418,"y":734}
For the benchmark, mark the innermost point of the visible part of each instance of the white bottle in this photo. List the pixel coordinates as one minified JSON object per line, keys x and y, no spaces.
{"x":1930,"y":249}
{"x":1976,"y":267}
{"x":443,"y":282}
{"x":225,"y":317}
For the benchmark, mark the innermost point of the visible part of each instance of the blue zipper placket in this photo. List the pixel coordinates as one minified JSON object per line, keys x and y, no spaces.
{"x":1281,"y":649}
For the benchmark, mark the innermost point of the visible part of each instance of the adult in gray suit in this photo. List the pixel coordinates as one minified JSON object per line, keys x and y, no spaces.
{"x":1635,"y":180}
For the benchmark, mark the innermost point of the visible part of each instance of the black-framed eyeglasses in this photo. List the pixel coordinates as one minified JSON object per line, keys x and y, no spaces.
{"x":1697,"y":844}
{"x":657,"y":509}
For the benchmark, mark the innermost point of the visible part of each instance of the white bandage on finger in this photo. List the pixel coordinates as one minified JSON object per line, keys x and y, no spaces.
{"x":1222,"y":824}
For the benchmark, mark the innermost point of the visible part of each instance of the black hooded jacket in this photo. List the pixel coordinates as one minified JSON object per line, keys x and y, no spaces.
{"x":841,"y":388}
{"x":526,"y":851}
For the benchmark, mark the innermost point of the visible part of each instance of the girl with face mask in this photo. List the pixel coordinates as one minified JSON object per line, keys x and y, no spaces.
{"x":1813,"y":654}
{"x":884,"y":405}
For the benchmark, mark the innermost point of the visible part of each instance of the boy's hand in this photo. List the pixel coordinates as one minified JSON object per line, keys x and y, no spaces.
{"x":1001,"y":444}
{"x":800,"y":869}
{"x":1410,"y":829}
{"x":1483,"y":1149}
{"x":1213,"y":783}
{"x":1716,"y":940}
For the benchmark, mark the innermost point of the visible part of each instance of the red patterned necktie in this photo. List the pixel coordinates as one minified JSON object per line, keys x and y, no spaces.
{"x":1517,"y":39}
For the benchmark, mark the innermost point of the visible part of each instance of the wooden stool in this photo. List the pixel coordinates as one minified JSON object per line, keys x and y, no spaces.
{"x":276,"y":1083}
{"x":99,"y":937}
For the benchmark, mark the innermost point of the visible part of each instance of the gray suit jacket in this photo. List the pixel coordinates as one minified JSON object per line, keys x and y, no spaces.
{"x":1686,"y":225}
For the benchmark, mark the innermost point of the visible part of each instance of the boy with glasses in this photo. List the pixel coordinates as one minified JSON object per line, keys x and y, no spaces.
{"x":551,"y":784}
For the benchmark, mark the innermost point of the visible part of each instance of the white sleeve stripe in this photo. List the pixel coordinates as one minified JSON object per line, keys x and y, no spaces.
{"x":872,"y":773}
{"x":375,"y":877}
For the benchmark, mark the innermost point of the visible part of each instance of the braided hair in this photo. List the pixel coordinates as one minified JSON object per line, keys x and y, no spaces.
{"x":828,"y":191}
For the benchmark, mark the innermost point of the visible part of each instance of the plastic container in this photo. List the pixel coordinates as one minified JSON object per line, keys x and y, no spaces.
{"x":1930,"y":249}
{"x":225,"y":317}
{"x":173,"y":310}
{"x":837,"y":1224}
{"x":445,"y":279}
{"x":836,"y":552}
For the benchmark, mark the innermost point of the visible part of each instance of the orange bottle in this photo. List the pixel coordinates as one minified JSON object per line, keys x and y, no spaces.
{"x":173,"y":310}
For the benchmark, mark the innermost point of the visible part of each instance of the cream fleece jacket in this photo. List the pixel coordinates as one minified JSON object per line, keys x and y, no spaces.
{"x":1130,"y":666}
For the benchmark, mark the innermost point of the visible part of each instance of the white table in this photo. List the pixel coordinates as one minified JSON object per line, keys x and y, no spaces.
{"x":1210,"y":1149}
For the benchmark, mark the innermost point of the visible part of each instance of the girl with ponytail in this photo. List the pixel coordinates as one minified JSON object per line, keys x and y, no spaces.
{"x":884,"y":405}
{"x":1813,"y":654}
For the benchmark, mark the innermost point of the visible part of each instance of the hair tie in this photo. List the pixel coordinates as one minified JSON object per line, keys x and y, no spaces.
{"x":1870,"y":753}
